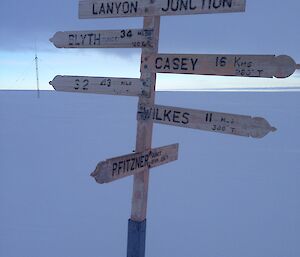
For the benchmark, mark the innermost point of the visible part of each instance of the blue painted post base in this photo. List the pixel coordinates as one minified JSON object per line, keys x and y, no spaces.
{"x":136,"y":238}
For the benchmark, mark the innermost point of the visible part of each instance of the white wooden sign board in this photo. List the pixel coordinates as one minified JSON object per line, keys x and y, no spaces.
{"x":126,"y":165}
{"x":102,"y":85}
{"x":225,"y":123}
{"x":138,"y":8}
{"x":123,"y":38}
{"x":263,"y":66}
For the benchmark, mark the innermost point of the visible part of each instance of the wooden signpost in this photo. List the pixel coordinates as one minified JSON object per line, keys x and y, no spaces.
{"x":239,"y":125}
{"x":123,"y":38}
{"x":102,"y":85}
{"x":263,"y":66}
{"x":144,"y":158}
{"x":123,"y":166}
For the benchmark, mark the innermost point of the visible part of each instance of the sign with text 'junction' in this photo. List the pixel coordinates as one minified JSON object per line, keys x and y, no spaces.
{"x":123,"y":38}
{"x":139,"y":8}
{"x":102,"y":85}
{"x":126,"y":165}
{"x":263,"y":66}
{"x":225,"y":123}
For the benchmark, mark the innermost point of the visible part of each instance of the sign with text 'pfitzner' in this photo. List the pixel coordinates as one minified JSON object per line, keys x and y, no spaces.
{"x":102,"y":85}
{"x":263,"y":66}
{"x":126,"y":165}
{"x":225,"y":123}
{"x":123,"y":38}
{"x":139,"y":8}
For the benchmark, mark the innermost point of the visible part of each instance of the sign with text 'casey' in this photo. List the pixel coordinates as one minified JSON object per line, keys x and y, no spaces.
{"x":225,"y":123}
{"x":263,"y":66}
{"x":124,"y":38}
{"x":126,"y":165}
{"x":138,"y":8}
{"x":102,"y":85}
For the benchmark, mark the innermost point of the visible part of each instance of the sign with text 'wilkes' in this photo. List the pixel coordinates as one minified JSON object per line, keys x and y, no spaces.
{"x":102,"y":85}
{"x":126,"y":165}
{"x":225,"y":123}
{"x":123,"y":38}
{"x":263,"y":66}
{"x":139,"y":8}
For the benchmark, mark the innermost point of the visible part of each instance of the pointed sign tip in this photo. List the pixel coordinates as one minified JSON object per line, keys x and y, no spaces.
{"x":273,"y":129}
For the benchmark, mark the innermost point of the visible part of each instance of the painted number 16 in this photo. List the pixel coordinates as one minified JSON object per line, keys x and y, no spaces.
{"x":221,"y":61}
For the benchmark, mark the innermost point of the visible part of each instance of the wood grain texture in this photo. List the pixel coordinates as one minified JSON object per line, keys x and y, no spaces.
{"x":137,"y":8}
{"x":123,"y":38}
{"x":225,"y":123}
{"x":102,"y":85}
{"x":144,"y":128}
{"x":262,"y":66}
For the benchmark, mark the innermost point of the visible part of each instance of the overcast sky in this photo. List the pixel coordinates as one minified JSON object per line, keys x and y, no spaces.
{"x":267,"y":27}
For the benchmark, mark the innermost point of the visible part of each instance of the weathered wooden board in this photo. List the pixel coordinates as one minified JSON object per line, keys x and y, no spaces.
{"x":102,"y":85}
{"x":126,"y":165}
{"x":123,"y":38}
{"x":225,"y":123}
{"x":135,"y":8}
{"x":263,"y":66}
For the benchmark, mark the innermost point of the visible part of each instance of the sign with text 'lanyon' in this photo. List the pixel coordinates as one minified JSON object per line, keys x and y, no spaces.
{"x":126,"y":165}
{"x":123,"y":38}
{"x":225,"y":123}
{"x":263,"y":66}
{"x":102,"y":85}
{"x":135,"y":8}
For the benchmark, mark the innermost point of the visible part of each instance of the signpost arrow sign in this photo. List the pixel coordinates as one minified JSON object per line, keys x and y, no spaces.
{"x":126,"y":165}
{"x":225,"y":123}
{"x":263,"y":66}
{"x":125,"y":38}
{"x":137,"y":8}
{"x":102,"y":85}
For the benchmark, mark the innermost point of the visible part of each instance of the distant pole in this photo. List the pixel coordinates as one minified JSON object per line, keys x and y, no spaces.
{"x":37,"y":72}
{"x":137,"y":222}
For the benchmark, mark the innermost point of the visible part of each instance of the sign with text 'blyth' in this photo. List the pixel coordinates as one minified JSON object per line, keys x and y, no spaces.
{"x":123,"y":38}
{"x":126,"y":165}
{"x":138,"y":8}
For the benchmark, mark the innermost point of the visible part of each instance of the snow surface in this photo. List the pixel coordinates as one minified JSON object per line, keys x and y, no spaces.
{"x":226,"y":196}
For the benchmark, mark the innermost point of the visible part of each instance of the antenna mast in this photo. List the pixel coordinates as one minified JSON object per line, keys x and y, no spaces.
{"x":37,"y":72}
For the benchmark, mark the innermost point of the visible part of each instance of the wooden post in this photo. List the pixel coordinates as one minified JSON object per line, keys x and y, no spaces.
{"x":137,"y":222}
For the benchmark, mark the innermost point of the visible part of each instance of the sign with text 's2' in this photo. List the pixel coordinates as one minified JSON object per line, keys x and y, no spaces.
{"x":102,"y":85}
{"x":139,"y":8}
{"x":126,"y":165}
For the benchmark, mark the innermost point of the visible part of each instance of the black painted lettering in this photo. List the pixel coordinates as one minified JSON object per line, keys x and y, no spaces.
{"x":228,"y":3}
{"x":94,"y":12}
{"x":133,"y":7}
{"x":176,"y":62}
{"x":97,"y":39}
{"x":71,"y":40}
{"x":132,"y":163}
{"x":157,"y":61}
{"x":185,"y":115}
{"x":115,"y":165}
{"x":217,"y":4}
{"x":183,"y":5}
{"x":102,"y":9}
{"x":184,"y":64}
{"x":174,"y":7}
{"x":118,"y":5}
{"x":194,"y":62}
{"x":167,"y":64}
{"x":176,"y":117}
{"x":166,"y":115}
{"x":157,"y":115}
{"x":167,"y":7}
{"x":110,"y":8}
{"x":192,"y":7}
{"x":125,"y":7}
{"x":237,"y":61}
